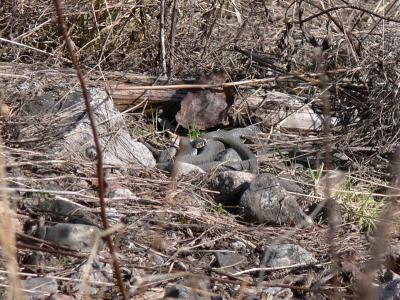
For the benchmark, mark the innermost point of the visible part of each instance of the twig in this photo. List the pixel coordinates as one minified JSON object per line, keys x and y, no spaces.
{"x":100,"y":174}
{"x":235,"y":83}
{"x":162,"y":37}
{"x":8,"y":237}
{"x":31,"y":48}
{"x":349,"y":6}
{"x":384,"y":231}
{"x":254,"y":270}
{"x":172,"y":39}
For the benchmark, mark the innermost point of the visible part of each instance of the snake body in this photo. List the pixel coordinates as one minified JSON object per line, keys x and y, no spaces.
{"x":232,"y":140}
{"x":216,"y":142}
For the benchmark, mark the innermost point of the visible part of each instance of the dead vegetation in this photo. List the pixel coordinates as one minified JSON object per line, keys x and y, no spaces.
{"x":347,"y":53}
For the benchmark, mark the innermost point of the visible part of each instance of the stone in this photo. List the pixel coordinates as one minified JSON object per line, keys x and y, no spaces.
{"x":238,"y":246}
{"x":231,"y":185}
{"x":40,"y":286}
{"x":267,"y":201}
{"x":68,"y":211}
{"x":283,"y":255}
{"x":277,"y":293}
{"x":59,"y":296}
{"x":72,"y":134}
{"x":390,"y":290}
{"x":182,"y":168}
{"x":99,"y":272}
{"x":122,"y":193}
{"x":76,"y":236}
{"x":230,"y":261}
{"x":181,"y":292}
{"x":156,"y":259}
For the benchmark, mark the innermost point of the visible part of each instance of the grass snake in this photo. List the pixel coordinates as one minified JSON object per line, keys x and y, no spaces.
{"x":216,"y":142}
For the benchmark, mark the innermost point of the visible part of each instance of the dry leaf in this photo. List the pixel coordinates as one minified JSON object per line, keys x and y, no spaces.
{"x":208,"y":108}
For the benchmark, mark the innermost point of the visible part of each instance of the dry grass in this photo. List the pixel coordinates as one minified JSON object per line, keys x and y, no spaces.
{"x":179,"y":221}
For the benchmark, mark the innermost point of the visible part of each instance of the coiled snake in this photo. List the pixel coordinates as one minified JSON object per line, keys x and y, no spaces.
{"x":216,"y":142}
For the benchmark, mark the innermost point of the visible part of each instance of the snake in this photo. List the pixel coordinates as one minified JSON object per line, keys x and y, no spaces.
{"x":216,"y":142}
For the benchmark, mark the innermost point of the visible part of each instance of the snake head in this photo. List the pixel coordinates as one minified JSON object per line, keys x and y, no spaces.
{"x":199,"y":143}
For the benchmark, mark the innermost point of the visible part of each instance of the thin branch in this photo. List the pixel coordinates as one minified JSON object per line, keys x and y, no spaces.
{"x":306,"y":77}
{"x":162,"y":37}
{"x":100,"y":174}
{"x":172,"y":39}
{"x":326,"y":11}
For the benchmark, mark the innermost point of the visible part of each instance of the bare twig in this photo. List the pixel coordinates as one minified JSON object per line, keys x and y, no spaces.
{"x":349,"y":6}
{"x":100,"y":174}
{"x":7,"y":237}
{"x":162,"y":37}
{"x":249,"y":82}
{"x":172,"y":39}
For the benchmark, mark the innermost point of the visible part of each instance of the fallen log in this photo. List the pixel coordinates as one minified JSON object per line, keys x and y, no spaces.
{"x":132,"y":91}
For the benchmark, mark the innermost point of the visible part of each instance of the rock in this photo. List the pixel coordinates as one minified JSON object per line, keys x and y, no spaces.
{"x":238,"y":246}
{"x":389,"y":275}
{"x":182,"y":168}
{"x":289,"y":185}
{"x":230,"y":261}
{"x":76,"y":236}
{"x":267,"y":201}
{"x":68,"y":211}
{"x":40,"y":286}
{"x":72,"y":133}
{"x":228,"y":155}
{"x":61,"y":297}
{"x":277,"y":293}
{"x":156,"y":259}
{"x":286,"y":255}
{"x":99,"y":272}
{"x":181,"y":292}
{"x":390,"y":290}
{"x":273,"y":293}
{"x":392,"y":263}
{"x":231,"y":185}
{"x":114,"y":216}
{"x":122,"y":193}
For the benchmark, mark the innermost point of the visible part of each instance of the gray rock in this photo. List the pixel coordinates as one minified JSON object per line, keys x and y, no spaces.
{"x":231,"y":185}
{"x":230,"y":261}
{"x":114,"y":216}
{"x":287,"y":254}
{"x":59,"y":296}
{"x":182,"y":168}
{"x":75,"y":236}
{"x":392,"y":260}
{"x":156,"y":259}
{"x":100,"y":272}
{"x":72,"y":135}
{"x":389,"y":275}
{"x":238,"y":246}
{"x":390,"y":290}
{"x":267,"y":201}
{"x":277,"y":293}
{"x":41,"y":286}
{"x":68,"y":211}
{"x":289,"y":185}
{"x":181,"y":292}
{"x":122,"y":193}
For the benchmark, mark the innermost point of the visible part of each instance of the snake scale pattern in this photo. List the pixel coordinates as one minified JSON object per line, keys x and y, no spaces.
{"x":217,"y":141}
